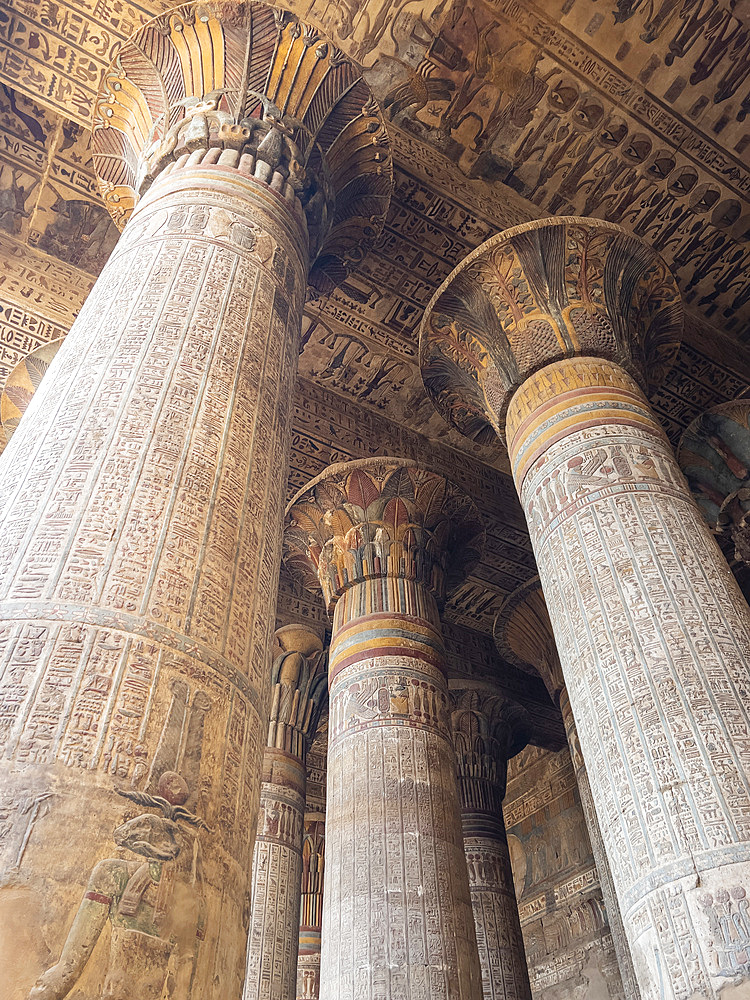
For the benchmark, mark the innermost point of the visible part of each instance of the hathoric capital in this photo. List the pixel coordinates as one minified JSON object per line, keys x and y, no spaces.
{"x":524,"y":637}
{"x":299,"y":688}
{"x":542,"y":292}
{"x":382,"y":517}
{"x":248,"y":87}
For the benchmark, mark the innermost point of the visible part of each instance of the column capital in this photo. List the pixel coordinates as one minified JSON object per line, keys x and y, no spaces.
{"x":714,"y":454}
{"x":523,"y":635}
{"x":538,"y":293}
{"x":378,"y":518}
{"x":250,"y":88}
{"x":22,"y":383}
{"x":299,"y":688}
{"x":487,"y":731}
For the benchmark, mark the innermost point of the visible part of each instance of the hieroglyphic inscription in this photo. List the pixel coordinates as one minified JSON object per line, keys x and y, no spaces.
{"x":141,"y":515}
{"x":566,"y":934}
{"x":653,"y":635}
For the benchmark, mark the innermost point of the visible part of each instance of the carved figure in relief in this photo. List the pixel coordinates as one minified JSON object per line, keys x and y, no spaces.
{"x":13,"y":201}
{"x":728,"y":913}
{"x":154,"y":904}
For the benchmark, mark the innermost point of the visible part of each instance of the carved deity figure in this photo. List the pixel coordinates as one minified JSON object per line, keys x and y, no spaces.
{"x":154,"y":906}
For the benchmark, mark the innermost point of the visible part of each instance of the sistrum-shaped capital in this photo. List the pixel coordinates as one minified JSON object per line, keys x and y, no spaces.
{"x":248,"y":87}
{"x":714,"y":454}
{"x":523,"y":635}
{"x":299,"y":690}
{"x":378,"y":518}
{"x":539,"y":293}
{"x":487,"y":731}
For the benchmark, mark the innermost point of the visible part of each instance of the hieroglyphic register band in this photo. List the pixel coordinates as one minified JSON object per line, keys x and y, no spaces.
{"x":552,"y":331}
{"x":141,"y":504}
{"x":385,"y":540}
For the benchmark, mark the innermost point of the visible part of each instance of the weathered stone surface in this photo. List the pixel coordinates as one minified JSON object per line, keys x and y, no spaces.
{"x":537,"y":293}
{"x":386,"y":540}
{"x":648,"y":621}
{"x":313,"y":868}
{"x":568,"y":939}
{"x":631,"y":112}
{"x":141,"y":513}
{"x":523,"y":633}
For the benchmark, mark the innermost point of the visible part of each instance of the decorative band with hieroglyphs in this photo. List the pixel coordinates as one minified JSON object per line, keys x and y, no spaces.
{"x":385,"y":634}
{"x":568,"y":396}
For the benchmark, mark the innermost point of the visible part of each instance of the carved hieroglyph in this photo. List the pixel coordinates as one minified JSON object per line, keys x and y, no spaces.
{"x":652,"y":631}
{"x":311,"y":908}
{"x":523,"y":633}
{"x":486,"y":732}
{"x":385,"y":540}
{"x":313,"y":867}
{"x":141,"y":508}
{"x":299,"y":690}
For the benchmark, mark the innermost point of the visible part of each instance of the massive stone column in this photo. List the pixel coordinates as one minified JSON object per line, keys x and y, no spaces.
{"x":523,"y":633}
{"x":313,"y":867}
{"x":552,"y":331}
{"x":141,"y":506}
{"x":487,"y":732}
{"x":386,"y":541}
{"x":299,"y":690}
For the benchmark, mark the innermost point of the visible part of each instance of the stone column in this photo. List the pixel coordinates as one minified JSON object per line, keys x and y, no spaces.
{"x":386,"y":540}
{"x":311,"y":910}
{"x":552,"y":331}
{"x":487,"y":731}
{"x":313,"y":866}
{"x":523,"y":633}
{"x":141,"y":507}
{"x":299,"y":689}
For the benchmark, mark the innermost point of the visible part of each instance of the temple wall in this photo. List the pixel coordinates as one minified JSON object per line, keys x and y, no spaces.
{"x":567,"y":938}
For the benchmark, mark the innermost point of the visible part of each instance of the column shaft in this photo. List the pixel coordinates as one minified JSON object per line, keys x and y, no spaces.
{"x":140,"y":530}
{"x":298,"y":675}
{"x":397,"y":918}
{"x":614,"y":917}
{"x":311,"y":909}
{"x":277,"y":871}
{"x":502,"y":957}
{"x":654,"y":640}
